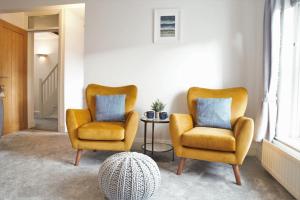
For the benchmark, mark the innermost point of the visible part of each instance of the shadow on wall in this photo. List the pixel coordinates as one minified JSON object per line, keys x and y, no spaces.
{"x":179,"y":103}
{"x":215,"y":51}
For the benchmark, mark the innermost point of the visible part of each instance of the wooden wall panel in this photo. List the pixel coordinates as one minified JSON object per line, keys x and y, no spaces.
{"x":13,"y":75}
{"x":6,"y":52}
{"x":7,"y":104}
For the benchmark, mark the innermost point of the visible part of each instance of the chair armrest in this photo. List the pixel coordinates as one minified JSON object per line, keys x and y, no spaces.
{"x":74,"y":119}
{"x":243,"y":131}
{"x":131,"y":126}
{"x":179,"y":124}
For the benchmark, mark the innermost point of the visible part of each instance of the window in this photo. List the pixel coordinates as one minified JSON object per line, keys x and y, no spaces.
{"x":288,"y":118}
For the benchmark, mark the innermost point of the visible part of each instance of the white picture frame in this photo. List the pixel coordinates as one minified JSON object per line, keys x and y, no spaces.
{"x":166,"y":25}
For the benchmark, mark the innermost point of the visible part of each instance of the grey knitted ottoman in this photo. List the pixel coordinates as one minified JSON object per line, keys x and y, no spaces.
{"x":129,"y":175}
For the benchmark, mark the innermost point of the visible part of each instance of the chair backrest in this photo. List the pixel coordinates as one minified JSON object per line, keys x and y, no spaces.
{"x":239,"y":99}
{"x":93,"y":89}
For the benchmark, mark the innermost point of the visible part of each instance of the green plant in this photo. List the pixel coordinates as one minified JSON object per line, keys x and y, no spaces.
{"x":158,"y":106}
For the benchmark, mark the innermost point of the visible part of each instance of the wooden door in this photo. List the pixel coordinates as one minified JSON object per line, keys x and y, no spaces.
{"x":13,"y":76}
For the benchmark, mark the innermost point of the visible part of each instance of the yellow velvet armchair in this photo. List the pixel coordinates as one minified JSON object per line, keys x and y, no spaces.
{"x":213,"y":144}
{"x":87,"y":134}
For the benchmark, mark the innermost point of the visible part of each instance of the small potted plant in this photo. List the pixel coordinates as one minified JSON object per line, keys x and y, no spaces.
{"x":157,"y":106}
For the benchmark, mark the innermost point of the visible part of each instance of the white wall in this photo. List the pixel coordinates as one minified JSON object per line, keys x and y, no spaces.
{"x":18,"y":19}
{"x":218,"y":49}
{"x":221,"y":42}
{"x":74,"y":59}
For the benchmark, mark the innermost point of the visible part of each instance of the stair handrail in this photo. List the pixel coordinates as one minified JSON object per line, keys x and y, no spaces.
{"x":50,"y":73}
{"x":48,"y":87}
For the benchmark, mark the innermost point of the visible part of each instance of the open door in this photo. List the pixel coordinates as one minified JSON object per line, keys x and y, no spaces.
{"x":13,"y":76}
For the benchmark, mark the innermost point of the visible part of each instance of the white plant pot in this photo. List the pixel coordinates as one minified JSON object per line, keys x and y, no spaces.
{"x":156,"y":115}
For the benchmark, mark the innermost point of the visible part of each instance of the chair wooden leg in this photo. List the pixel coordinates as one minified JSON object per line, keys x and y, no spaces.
{"x":237,"y":175}
{"x":181,"y":166}
{"x":78,"y":155}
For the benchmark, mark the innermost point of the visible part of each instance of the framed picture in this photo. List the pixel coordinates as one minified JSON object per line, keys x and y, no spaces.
{"x":166,"y":25}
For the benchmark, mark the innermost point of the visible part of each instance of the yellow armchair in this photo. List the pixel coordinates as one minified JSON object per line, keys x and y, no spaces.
{"x":213,"y":144}
{"x":87,"y":134}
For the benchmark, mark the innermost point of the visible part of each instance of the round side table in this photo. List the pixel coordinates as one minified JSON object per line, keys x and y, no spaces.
{"x":155,"y":147}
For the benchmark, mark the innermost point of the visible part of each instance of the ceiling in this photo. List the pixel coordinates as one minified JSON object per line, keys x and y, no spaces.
{"x":45,"y":36}
{"x":78,"y":10}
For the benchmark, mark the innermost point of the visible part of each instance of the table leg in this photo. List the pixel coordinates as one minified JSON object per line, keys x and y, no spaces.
{"x":152,"y":137}
{"x":145,"y":137}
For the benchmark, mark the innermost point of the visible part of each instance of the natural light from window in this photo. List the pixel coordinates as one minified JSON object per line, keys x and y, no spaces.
{"x":288,"y":119}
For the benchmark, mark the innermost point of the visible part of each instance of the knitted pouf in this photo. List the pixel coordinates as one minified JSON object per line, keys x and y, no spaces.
{"x":129,"y":175}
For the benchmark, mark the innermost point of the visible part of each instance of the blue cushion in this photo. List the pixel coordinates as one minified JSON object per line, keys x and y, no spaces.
{"x":110,"y":107}
{"x":213,"y":112}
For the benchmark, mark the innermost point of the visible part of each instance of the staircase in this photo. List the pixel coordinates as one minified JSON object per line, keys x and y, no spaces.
{"x":49,"y":94}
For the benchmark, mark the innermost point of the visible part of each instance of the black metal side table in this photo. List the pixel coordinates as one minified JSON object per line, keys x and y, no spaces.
{"x":155,"y":147}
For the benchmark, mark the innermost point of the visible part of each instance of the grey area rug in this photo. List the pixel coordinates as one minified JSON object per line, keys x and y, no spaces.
{"x":39,"y":165}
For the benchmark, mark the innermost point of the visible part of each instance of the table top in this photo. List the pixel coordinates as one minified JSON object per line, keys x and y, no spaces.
{"x":154,"y":120}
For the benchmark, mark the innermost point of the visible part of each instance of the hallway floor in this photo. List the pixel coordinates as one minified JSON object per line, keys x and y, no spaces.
{"x":47,"y":124}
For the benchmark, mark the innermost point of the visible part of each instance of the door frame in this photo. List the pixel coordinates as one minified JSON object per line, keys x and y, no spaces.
{"x":60,"y":96}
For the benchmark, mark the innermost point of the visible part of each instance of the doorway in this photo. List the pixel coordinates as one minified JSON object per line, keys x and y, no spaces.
{"x":45,"y":75}
{"x":48,"y":78}
{"x":44,"y":65}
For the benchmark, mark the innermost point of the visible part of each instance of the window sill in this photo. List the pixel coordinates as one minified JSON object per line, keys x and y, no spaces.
{"x":291,"y":145}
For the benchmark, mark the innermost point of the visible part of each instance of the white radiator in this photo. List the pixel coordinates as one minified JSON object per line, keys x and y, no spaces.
{"x":284,"y":167}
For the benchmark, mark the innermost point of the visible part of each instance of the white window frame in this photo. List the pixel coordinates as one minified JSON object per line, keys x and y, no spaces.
{"x":290,"y":141}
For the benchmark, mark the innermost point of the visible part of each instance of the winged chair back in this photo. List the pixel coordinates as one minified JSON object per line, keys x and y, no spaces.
{"x":93,"y":89}
{"x":239,"y":99}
